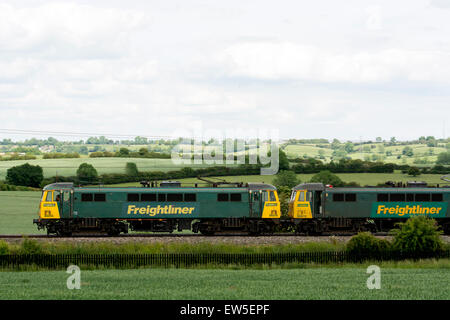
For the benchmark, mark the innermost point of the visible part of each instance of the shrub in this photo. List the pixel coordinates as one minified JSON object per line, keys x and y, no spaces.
{"x":326,"y":177}
{"x":30,"y":246}
{"x":364,"y":243}
{"x":87,"y":173}
{"x":4,"y":248}
{"x":418,"y":235}
{"x":25,"y":175}
{"x":286,"y":178}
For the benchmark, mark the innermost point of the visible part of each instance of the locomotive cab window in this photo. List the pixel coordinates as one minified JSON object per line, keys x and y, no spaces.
{"x":301,"y":197}
{"x":338,"y":197}
{"x":86,"y":197}
{"x":272,"y":196}
{"x":49,"y":197}
{"x":350,"y":197}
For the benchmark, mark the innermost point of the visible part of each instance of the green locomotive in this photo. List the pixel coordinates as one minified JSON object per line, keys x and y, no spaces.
{"x":65,"y":209}
{"x":316,"y":208}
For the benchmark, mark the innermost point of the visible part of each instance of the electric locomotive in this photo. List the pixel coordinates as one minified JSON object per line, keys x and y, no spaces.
{"x":315,"y":208}
{"x":65,"y":210}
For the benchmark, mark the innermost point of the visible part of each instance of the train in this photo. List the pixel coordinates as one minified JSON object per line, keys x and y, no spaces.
{"x":251,"y":208}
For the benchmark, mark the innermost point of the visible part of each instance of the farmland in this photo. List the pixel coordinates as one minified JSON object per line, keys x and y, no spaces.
{"x":17,"y":211}
{"x":309,"y":283}
{"x":68,"y":167}
{"x":421,"y":153}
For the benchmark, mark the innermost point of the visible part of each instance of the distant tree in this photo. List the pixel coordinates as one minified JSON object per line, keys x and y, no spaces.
{"x":408,"y":151}
{"x":349,"y":147}
{"x":131,"y":169}
{"x":284,"y":194}
{"x":283,"y":160}
{"x":143,"y":151}
{"x":335,"y":144}
{"x":25,"y":175}
{"x":87,"y":173}
{"x":393,"y":140}
{"x":443,"y":158}
{"x":413,"y":171}
{"x":83,"y":150}
{"x":286,"y":178}
{"x":326,"y":177}
{"x":123,"y":152}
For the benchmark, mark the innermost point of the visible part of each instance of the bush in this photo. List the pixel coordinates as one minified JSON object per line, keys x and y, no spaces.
{"x":25,"y":175}
{"x":364,"y":243}
{"x":30,"y":246}
{"x":286,"y":178}
{"x":326,"y":177}
{"x":87,"y":173}
{"x":418,"y":235}
{"x":4,"y":248}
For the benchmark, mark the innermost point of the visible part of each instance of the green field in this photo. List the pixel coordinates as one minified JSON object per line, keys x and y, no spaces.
{"x":297,"y":284}
{"x":68,"y":167}
{"x":17,"y":211}
{"x":421,"y":152}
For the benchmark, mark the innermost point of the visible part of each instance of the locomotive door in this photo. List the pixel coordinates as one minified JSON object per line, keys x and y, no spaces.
{"x":256,"y":204}
{"x":66,"y":203}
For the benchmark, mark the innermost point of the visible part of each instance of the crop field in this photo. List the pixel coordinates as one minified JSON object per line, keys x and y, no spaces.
{"x":68,"y":167}
{"x":420,"y":152}
{"x":17,"y":211}
{"x":298,"y":284}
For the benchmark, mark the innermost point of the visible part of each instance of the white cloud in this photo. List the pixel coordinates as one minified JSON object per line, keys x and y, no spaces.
{"x":67,"y":30}
{"x":290,"y":61}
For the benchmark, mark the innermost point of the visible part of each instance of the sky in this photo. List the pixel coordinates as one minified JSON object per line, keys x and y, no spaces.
{"x":352,"y":70}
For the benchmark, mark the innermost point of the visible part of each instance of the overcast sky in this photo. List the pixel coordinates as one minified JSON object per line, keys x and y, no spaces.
{"x":310,"y":69}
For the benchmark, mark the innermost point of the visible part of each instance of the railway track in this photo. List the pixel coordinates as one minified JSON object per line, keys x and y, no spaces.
{"x":187,"y":235}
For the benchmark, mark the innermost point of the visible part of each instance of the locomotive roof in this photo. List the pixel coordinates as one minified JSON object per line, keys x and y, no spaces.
{"x":321,"y":187}
{"x":387,"y":189}
{"x":309,"y":186}
{"x":59,"y":185}
{"x":251,"y":186}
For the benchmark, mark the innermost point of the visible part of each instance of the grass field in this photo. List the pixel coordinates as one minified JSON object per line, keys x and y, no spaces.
{"x":68,"y":167}
{"x":421,"y":152}
{"x":17,"y":211}
{"x":297,"y":284}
